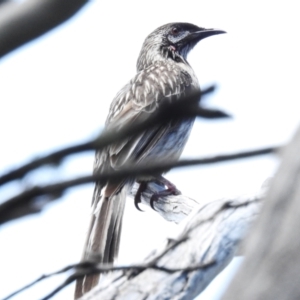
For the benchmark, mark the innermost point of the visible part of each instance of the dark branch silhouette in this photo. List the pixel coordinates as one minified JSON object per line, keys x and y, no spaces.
{"x":182,"y":109}
{"x":96,"y":270}
{"x":25,"y":21}
{"x":34,"y":199}
{"x":88,"y":268}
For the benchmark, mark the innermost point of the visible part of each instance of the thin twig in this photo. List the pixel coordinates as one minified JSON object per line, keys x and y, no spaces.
{"x":26,"y":202}
{"x":167,"y":112}
{"x":41,"y":278}
{"x":87,"y":268}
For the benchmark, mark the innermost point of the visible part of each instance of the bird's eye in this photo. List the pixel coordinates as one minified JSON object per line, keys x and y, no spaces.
{"x":174,"y":30}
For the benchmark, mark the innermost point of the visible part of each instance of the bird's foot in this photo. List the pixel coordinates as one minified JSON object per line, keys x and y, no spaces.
{"x":138,"y":195}
{"x":170,"y":190}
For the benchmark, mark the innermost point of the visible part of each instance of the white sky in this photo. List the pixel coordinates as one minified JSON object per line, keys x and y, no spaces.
{"x":56,"y":91}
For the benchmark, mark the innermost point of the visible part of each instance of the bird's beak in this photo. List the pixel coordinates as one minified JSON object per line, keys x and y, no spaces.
{"x":204,"y":33}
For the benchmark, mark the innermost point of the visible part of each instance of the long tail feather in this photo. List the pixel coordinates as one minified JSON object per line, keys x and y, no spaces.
{"x":103,"y":238}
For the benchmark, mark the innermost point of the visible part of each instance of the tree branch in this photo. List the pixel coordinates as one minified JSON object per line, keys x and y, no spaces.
{"x":23,"y":22}
{"x":187,"y":107}
{"x":213,"y":224}
{"x":214,"y":232}
{"x":34,"y":199}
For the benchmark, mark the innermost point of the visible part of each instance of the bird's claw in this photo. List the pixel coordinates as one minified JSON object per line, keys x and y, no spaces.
{"x":138,"y":195}
{"x":171,"y":190}
{"x":136,"y":204}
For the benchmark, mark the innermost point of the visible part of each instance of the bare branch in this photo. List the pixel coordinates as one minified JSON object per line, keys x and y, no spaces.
{"x":214,"y":230}
{"x":215,"y":215}
{"x":167,"y":112}
{"x":88,"y":268}
{"x":23,"y":22}
{"x":34,"y":199}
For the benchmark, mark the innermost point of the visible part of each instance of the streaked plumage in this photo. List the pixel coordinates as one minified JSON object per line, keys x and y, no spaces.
{"x":163,"y":75}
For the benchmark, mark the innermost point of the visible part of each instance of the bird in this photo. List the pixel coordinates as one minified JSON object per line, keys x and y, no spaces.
{"x":163,"y":76}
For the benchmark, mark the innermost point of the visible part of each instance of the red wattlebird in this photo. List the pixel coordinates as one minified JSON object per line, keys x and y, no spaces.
{"x":163,"y":74}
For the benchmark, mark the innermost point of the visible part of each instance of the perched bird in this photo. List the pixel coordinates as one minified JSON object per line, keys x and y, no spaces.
{"x":163,"y":74}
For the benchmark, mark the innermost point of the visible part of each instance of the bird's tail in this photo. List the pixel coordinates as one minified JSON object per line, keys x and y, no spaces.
{"x":103,"y":238}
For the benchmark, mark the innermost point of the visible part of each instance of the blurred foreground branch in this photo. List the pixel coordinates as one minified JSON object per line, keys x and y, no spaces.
{"x":21,"y":22}
{"x":33,"y":200}
{"x":188,"y":107}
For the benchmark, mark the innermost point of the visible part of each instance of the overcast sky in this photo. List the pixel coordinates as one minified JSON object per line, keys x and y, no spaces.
{"x":56,"y":91}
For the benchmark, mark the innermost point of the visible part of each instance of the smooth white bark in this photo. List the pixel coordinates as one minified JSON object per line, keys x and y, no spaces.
{"x":214,"y":232}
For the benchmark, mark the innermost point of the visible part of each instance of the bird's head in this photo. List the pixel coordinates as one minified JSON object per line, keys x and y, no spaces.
{"x":171,"y":40}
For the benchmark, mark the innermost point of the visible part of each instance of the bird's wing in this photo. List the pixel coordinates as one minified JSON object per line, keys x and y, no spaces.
{"x":142,"y":96}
